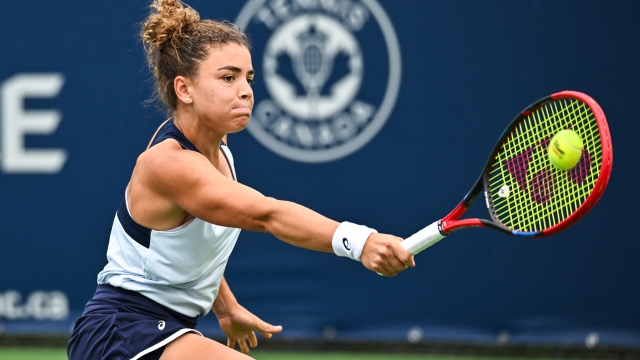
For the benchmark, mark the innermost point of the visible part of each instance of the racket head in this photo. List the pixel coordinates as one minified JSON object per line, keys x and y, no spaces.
{"x":525,"y":194}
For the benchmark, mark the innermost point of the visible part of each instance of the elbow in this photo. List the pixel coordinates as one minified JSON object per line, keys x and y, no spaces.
{"x":266,"y":215}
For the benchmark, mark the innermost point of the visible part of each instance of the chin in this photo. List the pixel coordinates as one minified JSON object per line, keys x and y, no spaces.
{"x":240,"y":125}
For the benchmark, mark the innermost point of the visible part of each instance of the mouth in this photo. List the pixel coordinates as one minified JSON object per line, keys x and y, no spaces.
{"x":242,"y":111}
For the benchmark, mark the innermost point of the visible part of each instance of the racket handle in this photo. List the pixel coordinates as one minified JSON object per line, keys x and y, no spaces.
{"x":423,"y":239}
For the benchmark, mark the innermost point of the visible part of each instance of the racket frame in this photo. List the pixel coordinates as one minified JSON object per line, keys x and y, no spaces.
{"x":452,"y":221}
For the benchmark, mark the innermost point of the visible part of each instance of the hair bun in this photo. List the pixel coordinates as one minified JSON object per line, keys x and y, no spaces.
{"x":167,"y":19}
{"x":175,"y":41}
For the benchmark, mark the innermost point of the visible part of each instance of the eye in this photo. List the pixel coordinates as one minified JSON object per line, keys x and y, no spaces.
{"x":228,"y":78}
{"x":251,"y":81}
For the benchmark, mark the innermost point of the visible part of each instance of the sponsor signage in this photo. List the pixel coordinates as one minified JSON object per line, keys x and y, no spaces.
{"x":315,"y":67}
{"x":38,"y":305}
{"x":16,"y":122}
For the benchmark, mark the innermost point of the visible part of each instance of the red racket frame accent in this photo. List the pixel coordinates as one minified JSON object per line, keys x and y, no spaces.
{"x":607,"y":161}
{"x":451,"y":223}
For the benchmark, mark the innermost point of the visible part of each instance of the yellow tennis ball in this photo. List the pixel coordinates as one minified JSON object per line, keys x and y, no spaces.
{"x":565,"y":149}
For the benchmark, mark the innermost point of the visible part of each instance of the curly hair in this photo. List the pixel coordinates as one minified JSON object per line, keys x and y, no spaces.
{"x":176,"y":41}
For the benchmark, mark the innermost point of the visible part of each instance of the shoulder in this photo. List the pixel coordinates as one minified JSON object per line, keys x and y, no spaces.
{"x":169,"y":161}
{"x":168,"y":149}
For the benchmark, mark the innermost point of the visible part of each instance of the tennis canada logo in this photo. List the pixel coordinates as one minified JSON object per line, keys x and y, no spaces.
{"x":327,"y":75}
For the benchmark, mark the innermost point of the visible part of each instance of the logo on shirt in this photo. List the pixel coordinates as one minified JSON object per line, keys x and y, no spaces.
{"x":161,"y":325}
{"x":328,"y":75}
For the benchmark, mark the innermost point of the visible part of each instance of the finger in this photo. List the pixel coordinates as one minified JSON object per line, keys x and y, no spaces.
{"x":378,"y":265}
{"x":231,"y":343}
{"x":267,"y":330}
{"x":243,"y":345}
{"x":403,"y":255}
{"x":396,"y":264}
{"x":385,"y":269}
{"x":253,"y":340}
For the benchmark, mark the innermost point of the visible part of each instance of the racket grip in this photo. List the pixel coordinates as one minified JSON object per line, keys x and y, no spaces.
{"x":423,"y":239}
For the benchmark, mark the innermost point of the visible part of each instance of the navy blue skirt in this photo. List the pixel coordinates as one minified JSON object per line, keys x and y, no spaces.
{"x":119,"y":324}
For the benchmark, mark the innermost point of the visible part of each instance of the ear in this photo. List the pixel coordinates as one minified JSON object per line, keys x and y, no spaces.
{"x":182,"y":87}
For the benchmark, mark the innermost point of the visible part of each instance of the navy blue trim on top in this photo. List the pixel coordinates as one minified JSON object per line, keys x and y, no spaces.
{"x":169,"y":131}
{"x":137,"y":232}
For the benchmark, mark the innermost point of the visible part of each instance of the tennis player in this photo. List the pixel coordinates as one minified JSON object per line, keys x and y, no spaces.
{"x":183,"y":209}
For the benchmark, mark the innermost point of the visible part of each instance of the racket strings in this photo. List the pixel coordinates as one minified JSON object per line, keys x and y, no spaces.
{"x":527,"y":192}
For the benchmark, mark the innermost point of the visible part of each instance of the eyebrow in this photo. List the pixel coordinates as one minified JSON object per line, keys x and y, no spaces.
{"x":235,"y":69}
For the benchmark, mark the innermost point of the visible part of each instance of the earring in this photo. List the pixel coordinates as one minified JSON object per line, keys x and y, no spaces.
{"x":187,"y":100}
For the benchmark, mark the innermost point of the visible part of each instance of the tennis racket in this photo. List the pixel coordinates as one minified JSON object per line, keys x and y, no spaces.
{"x":524,"y":193}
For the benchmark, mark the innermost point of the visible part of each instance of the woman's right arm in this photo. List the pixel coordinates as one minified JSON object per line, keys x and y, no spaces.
{"x":187,"y":180}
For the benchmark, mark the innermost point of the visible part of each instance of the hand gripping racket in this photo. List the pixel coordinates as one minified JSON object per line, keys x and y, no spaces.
{"x":525,"y":194}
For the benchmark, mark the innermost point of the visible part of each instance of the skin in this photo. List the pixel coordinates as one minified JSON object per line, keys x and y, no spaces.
{"x":170,"y":186}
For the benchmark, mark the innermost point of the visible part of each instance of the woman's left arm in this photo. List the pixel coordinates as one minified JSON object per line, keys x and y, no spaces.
{"x":237,"y":322}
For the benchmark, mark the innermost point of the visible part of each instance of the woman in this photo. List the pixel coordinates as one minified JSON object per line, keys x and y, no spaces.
{"x":183,"y":210}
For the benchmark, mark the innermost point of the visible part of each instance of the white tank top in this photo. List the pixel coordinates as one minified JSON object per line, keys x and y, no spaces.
{"x":180,"y":268}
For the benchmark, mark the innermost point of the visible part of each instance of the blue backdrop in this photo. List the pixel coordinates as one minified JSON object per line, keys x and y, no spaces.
{"x":466,"y":68}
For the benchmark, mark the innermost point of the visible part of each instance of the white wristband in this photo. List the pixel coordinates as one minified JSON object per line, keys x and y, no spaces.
{"x":349,"y":239}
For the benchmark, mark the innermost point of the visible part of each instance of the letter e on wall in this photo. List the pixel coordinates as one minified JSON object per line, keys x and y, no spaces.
{"x":16,"y":122}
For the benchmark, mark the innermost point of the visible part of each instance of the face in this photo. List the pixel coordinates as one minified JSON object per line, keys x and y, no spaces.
{"x":221,"y":92}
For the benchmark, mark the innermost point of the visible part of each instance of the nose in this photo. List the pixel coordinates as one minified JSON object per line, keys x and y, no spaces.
{"x":246,"y":92}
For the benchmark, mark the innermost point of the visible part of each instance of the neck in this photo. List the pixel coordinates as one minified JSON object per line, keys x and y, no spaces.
{"x":203,"y":137}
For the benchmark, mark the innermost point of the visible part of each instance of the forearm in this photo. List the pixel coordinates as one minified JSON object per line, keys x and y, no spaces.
{"x":225,"y":301}
{"x":300,"y":226}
